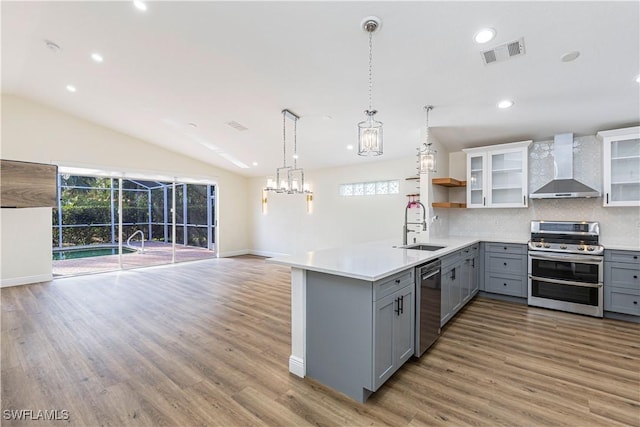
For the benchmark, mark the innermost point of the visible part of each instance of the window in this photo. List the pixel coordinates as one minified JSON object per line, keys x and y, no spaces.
{"x":370,"y":188}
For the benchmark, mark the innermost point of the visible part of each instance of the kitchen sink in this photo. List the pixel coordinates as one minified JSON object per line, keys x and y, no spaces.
{"x":422,"y":247}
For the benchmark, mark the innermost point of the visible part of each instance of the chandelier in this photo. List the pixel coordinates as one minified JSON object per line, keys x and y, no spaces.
{"x":289,"y":180}
{"x":427,"y":156}
{"x":370,"y":130}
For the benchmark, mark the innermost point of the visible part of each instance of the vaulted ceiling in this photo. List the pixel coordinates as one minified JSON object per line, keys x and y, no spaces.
{"x":178,"y":73}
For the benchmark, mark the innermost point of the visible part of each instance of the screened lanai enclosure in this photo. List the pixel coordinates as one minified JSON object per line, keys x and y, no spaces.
{"x":104,"y":223}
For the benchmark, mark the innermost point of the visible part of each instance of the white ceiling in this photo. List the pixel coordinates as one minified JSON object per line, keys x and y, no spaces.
{"x":209,"y":63}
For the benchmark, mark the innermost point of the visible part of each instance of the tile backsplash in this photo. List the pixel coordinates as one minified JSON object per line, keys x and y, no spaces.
{"x":618,"y":225}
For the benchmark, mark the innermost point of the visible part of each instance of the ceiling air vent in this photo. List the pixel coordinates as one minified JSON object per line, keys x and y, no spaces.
{"x":237,"y":126}
{"x":503,"y":52}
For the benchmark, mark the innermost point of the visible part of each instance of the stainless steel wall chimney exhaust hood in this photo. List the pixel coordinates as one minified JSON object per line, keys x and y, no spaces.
{"x":563,"y":185}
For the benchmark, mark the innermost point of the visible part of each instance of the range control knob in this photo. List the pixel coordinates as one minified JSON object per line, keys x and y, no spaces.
{"x":538,"y":245}
{"x":563,"y":246}
{"x":581,"y":248}
{"x":590,"y":248}
{"x":547,"y":245}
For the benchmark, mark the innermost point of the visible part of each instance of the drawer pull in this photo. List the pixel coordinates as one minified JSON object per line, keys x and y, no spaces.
{"x":635,"y":257}
{"x":635,"y":277}
{"x":505,"y":248}
{"x":635,"y":302}
{"x":397,"y":280}
{"x":504,"y":284}
{"x":505,"y":264}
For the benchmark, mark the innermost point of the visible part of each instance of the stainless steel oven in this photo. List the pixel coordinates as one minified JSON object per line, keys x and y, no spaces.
{"x":566,"y":267}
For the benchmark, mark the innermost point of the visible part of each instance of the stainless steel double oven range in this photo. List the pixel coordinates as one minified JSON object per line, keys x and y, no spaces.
{"x":566,"y":266}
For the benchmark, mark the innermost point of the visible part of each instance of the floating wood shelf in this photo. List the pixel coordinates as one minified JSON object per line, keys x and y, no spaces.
{"x":28,"y":185}
{"x":448,"y":205}
{"x":449,"y":182}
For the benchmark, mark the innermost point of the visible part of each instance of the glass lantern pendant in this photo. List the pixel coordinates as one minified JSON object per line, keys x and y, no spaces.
{"x":370,"y":130}
{"x":370,"y":135}
{"x":427,"y":157}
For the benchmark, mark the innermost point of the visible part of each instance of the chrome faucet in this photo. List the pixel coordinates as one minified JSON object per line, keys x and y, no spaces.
{"x":407,"y":223}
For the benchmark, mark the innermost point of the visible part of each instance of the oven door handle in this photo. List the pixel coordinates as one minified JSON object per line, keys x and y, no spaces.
{"x":584,"y":259}
{"x":566,"y":282}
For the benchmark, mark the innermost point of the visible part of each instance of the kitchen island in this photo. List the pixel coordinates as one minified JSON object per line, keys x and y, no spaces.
{"x":340,"y":304}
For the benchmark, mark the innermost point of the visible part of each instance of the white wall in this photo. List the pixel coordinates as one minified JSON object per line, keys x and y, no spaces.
{"x":37,"y":133}
{"x":336,"y":220}
{"x":24,"y":256}
{"x":618,"y":225}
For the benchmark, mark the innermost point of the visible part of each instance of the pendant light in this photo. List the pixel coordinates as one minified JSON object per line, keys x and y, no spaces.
{"x":370,"y":130}
{"x":427,"y":157}
{"x":296,"y":175}
{"x":289,"y":180}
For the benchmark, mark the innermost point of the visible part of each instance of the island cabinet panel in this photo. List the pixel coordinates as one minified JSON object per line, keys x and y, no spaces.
{"x":358,"y":332}
{"x":28,"y":185}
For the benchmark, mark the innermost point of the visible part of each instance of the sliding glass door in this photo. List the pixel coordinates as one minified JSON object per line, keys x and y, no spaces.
{"x":89,"y":228}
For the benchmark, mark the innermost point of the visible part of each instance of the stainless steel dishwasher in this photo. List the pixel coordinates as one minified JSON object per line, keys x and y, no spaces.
{"x":427,"y":306}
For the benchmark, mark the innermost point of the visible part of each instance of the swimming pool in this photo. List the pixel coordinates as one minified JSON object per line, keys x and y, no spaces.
{"x":60,"y":254}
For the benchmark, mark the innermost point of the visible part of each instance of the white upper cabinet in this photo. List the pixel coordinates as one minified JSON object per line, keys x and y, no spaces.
{"x":497,"y":176}
{"x":621,"y":169}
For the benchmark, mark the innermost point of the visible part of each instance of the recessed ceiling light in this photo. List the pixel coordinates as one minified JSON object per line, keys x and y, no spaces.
{"x":349,"y":147}
{"x":484,"y":35}
{"x":71,"y":88}
{"x":140,"y":5}
{"x":570,"y":56}
{"x":505,"y":103}
{"x":255,"y":163}
{"x":97,"y":57}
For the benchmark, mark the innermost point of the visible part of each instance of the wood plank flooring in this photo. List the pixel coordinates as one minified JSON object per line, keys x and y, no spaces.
{"x":207,"y":343}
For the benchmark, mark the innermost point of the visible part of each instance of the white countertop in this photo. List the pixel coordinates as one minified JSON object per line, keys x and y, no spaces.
{"x":370,"y":261}
{"x":376,"y":260}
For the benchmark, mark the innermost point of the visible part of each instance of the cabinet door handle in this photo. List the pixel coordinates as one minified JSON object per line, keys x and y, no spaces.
{"x":473,"y":263}
{"x":484,"y":201}
{"x":524,"y":200}
{"x":402,"y":304}
{"x":607,"y":198}
{"x":453,"y":274}
{"x":397,"y":310}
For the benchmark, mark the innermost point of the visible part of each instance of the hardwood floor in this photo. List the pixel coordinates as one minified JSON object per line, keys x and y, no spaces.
{"x":207,"y":343}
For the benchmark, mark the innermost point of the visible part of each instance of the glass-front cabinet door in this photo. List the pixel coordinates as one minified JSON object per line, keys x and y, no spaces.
{"x":507,"y":179}
{"x":621,"y":169}
{"x":476,"y":177}
{"x":497,"y":176}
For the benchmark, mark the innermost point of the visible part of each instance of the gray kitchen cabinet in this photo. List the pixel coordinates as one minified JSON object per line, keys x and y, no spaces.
{"x":622,"y":281}
{"x":358,"y":332}
{"x":470,"y":270}
{"x":505,"y":269}
{"x":393,"y":333}
{"x":459,"y":281}
{"x":450,"y":284}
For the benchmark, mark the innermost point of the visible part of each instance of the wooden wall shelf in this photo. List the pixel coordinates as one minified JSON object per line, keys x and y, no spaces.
{"x":448,"y":205}
{"x":28,"y":185}
{"x":448,"y":182}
